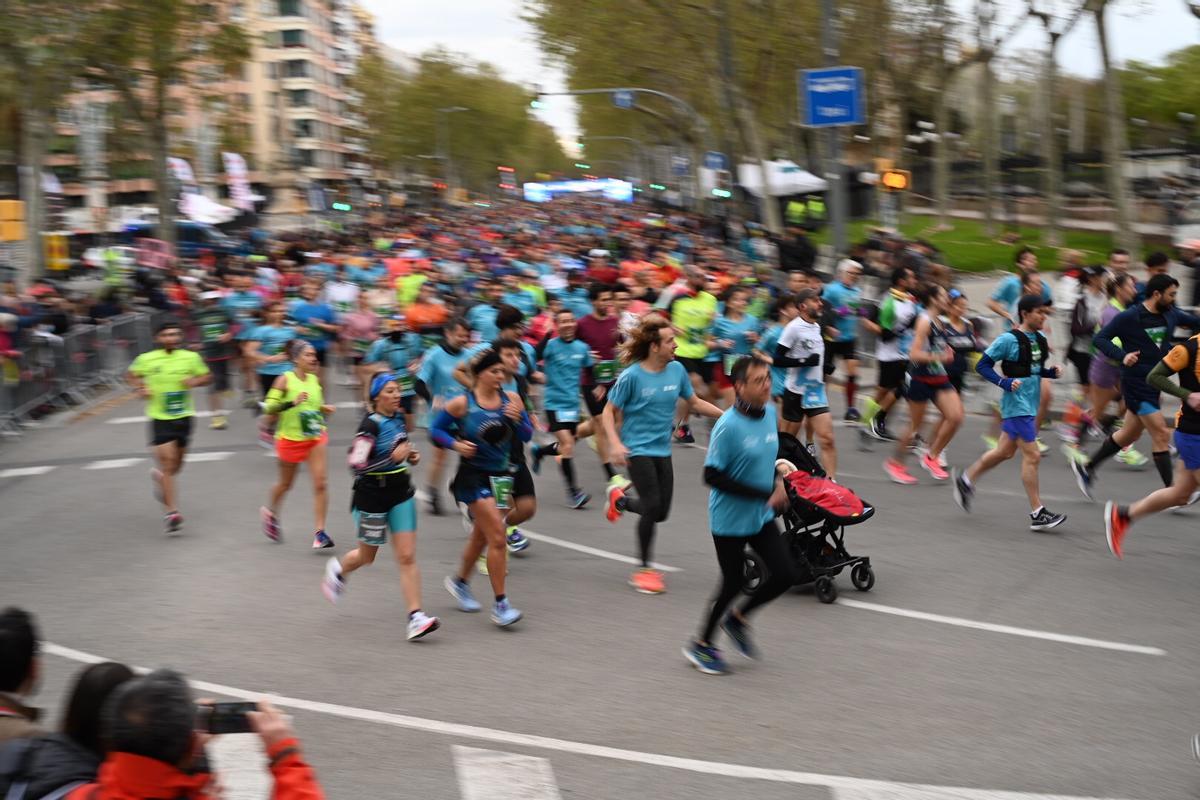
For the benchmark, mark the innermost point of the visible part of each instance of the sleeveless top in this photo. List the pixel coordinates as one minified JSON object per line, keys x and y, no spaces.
{"x":935,"y":343}
{"x":491,"y":433}
{"x":304,"y":421}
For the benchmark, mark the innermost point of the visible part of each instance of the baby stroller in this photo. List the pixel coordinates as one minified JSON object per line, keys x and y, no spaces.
{"x":814,"y":526}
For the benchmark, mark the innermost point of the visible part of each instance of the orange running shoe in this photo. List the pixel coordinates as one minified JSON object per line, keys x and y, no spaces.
{"x":1116,"y":525}
{"x":648,"y":581}
{"x":612,"y":511}
{"x":897,"y":472}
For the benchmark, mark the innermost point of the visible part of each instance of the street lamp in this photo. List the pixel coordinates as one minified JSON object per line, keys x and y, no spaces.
{"x":443,"y":136}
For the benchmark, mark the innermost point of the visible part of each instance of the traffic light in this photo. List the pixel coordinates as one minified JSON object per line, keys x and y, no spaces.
{"x":508,"y":177}
{"x":895,"y":180}
{"x":581,"y":165}
{"x":658,"y":187}
{"x":722,"y":184}
{"x":340,"y":206}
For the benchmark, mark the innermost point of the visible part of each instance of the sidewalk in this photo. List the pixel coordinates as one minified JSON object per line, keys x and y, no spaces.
{"x":1100,"y":226}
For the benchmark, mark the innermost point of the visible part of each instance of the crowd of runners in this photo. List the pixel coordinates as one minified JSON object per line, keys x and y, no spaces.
{"x":484,"y":346}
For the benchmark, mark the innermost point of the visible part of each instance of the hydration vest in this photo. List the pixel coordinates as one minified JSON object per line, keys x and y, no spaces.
{"x":1023,"y":366}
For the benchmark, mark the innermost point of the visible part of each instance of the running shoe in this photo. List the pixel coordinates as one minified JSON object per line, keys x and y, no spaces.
{"x":333,"y":585}
{"x":852,"y":415}
{"x":990,"y":441}
{"x":1045,"y":519}
{"x":270,"y":525}
{"x":462,"y":594}
{"x":872,"y":408}
{"x":683,"y":435}
{"x":648,"y":581}
{"x":811,"y":447}
{"x":1084,"y":477}
{"x":934,"y":467}
{"x":321,"y":541}
{"x":739,"y":633}
{"x":419,"y":624}
{"x":918,"y":444}
{"x":435,"y":502}
{"x":266,"y":437}
{"x":535,"y":459}
{"x":468,"y":519}
{"x":898,"y":473}
{"x":517,"y":542}
{"x":616,"y":505}
{"x":964,"y":493}
{"x":503,"y":614}
{"x":1116,"y":525}
{"x":173,"y":522}
{"x":156,"y":478}
{"x":1132,"y":458}
{"x":578,"y":498}
{"x":249,"y":400}
{"x":1042,"y":447}
{"x":1067,"y":433}
{"x":620,"y":481}
{"x":706,"y":659}
{"x":219,"y":422}
{"x":1074,"y":453}
{"x":877,"y":429}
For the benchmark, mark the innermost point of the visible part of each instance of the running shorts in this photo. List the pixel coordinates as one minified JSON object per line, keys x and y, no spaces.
{"x":562,"y":420}
{"x":810,"y":404}
{"x":922,"y":392}
{"x":847,"y":351}
{"x":1188,"y":445}
{"x":696,"y":366}
{"x":595,"y":407}
{"x":220,"y":372}
{"x":1020,"y":429}
{"x":297,"y":452}
{"x":891,"y":374}
{"x":471,"y":484}
{"x":1103,"y":374}
{"x":1140,"y":398}
{"x":373,"y":528}
{"x":165,"y":431}
{"x":265,"y":382}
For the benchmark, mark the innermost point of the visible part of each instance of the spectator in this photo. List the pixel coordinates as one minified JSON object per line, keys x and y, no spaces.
{"x":20,"y":669}
{"x":155,"y":751}
{"x":796,"y":252}
{"x":55,"y":762}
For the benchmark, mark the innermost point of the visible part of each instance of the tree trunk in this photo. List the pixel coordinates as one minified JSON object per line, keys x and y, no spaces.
{"x":1114,"y":137}
{"x":164,"y":181}
{"x":941,"y":164}
{"x":988,"y":145}
{"x":1050,"y":188}
{"x":33,"y":155}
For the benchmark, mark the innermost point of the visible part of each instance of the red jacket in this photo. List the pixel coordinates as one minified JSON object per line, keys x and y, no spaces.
{"x":128,"y":777}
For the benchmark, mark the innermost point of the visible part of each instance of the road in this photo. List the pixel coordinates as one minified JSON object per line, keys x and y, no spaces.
{"x":987,"y":657}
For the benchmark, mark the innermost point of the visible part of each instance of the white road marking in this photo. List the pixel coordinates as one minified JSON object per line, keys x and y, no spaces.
{"x":901,"y":791}
{"x":217,"y":455}
{"x":1030,"y":633}
{"x":203,"y":414}
{"x":22,"y":472}
{"x":242,"y":765}
{"x":114,"y":463}
{"x":493,"y":775}
{"x":838,"y":783}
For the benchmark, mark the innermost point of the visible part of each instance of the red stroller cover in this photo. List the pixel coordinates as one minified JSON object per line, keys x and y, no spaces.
{"x":826,"y":494}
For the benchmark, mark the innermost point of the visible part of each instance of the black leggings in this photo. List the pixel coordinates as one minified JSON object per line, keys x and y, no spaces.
{"x":654,"y":481}
{"x":1082,"y":362}
{"x":731,"y":556}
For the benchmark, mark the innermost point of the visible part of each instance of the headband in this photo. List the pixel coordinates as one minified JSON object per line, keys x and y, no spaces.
{"x":379,"y":381}
{"x":487,"y":359}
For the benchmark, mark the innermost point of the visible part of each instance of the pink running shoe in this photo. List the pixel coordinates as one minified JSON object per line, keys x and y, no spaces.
{"x":270,"y":525}
{"x":896,"y":471}
{"x":934,"y":467}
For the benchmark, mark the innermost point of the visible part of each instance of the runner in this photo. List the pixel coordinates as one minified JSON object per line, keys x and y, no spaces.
{"x":601,"y":332}
{"x":801,"y":348}
{"x":783,"y":311}
{"x":398,"y":353}
{"x":480,"y":427}
{"x":743,"y":498}
{"x":383,"y":502}
{"x":1183,"y":490}
{"x":358,"y":330}
{"x":1137,"y":339}
{"x":897,"y":314}
{"x":166,"y":377}
{"x":693,"y":311}
{"x":266,"y":348}
{"x":1024,"y":352}
{"x":736,"y":333}
{"x":436,"y":384}
{"x":564,"y":359}
{"x":244,"y":305}
{"x":959,"y":333}
{"x":929,"y":357}
{"x":298,"y":400}
{"x":645,"y":397}
{"x":215,"y":326}
{"x":845,"y":296}
{"x":315,"y":320}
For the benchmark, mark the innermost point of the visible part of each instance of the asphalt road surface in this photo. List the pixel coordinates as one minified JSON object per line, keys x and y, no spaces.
{"x":988,"y":661}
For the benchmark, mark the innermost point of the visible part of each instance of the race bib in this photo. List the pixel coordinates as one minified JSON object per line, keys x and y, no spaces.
{"x":213,"y":331}
{"x":310,"y":424}
{"x":567,"y":416}
{"x":314,"y":332}
{"x":730,"y":359}
{"x":814,"y":395}
{"x":361,"y":345}
{"x":694,"y":336}
{"x":372,"y":528}
{"x":604,"y":371}
{"x":405,"y":382}
{"x":343,"y":307}
{"x":175,"y":403}
{"x":502,"y":486}
{"x":428,"y":341}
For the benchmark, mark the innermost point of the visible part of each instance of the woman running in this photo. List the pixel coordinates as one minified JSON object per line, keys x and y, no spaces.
{"x":266,"y":348}
{"x":383,"y":502}
{"x":296,"y":397}
{"x":959,"y":333}
{"x":736,"y":333}
{"x":481,"y":426}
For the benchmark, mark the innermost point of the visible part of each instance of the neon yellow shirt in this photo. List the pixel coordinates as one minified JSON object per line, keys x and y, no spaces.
{"x":164,"y":374}
{"x":693,"y":318}
{"x":303,"y":420}
{"x":407,"y":288}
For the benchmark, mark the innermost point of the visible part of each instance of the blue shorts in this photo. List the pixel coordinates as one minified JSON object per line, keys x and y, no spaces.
{"x":1020,"y":429}
{"x":1188,"y":445}
{"x":922,"y":392}
{"x":374,"y":528}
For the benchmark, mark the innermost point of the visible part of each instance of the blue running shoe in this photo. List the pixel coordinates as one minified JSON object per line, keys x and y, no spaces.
{"x":462,"y":595}
{"x":517,"y":542}
{"x":578,"y":499}
{"x":321,"y":541}
{"x":706,"y":659}
{"x":739,"y":633}
{"x":535,"y":459}
{"x":503,"y":614}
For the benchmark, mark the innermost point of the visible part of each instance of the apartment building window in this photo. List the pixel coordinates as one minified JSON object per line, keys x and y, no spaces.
{"x":292,"y":38}
{"x":303,"y":128}
{"x":305,"y":158}
{"x":295,"y":69}
{"x":298,"y":98}
{"x":291,"y":8}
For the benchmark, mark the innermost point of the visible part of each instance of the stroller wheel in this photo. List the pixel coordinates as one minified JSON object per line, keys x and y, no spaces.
{"x":754,"y":573}
{"x":863,"y":577}
{"x":825,"y":589}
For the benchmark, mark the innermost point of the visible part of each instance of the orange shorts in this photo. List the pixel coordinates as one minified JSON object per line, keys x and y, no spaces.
{"x":294,"y":452}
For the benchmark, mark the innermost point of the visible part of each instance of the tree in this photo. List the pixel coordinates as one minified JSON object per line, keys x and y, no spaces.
{"x":143,"y":48}
{"x":1114,"y":134}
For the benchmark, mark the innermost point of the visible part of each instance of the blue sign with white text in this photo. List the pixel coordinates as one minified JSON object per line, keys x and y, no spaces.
{"x":833,"y":96}
{"x":715,"y":160}
{"x":623,"y":99}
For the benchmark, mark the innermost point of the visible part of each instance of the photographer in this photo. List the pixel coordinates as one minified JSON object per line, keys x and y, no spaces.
{"x":155,"y":750}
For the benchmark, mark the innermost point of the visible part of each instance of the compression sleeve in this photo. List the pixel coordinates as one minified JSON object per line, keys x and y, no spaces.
{"x":275,"y":402}
{"x":782,"y":359}
{"x":721,"y":481}
{"x":1160,"y":378}
{"x":525,"y":427}
{"x":987,"y":368}
{"x":422,"y":390}
{"x":441,"y":430}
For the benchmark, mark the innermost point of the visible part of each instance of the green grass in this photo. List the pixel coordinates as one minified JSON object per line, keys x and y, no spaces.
{"x":967,"y":248}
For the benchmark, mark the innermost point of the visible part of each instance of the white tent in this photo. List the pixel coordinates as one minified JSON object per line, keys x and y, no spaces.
{"x":786,"y":179}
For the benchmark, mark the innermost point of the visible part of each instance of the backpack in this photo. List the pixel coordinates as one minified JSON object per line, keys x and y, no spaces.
{"x":15,"y":760}
{"x":1023,"y":366}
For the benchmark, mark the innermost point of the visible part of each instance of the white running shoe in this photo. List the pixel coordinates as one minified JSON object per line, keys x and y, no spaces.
{"x":332,"y":584}
{"x":419,"y":625}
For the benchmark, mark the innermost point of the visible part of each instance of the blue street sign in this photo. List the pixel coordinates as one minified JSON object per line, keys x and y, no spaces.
{"x":623,"y":99}
{"x":833,"y":96}
{"x":680,"y":165}
{"x":715,"y":160}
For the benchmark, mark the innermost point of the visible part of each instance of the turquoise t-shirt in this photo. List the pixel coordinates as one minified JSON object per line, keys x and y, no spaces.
{"x":482,"y":319}
{"x":1024,"y":401}
{"x":647,"y":403}
{"x":528,"y":357}
{"x":845,"y":301}
{"x":744,"y":449}
{"x":271,"y":341}
{"x":766,"y":344}
{"x":397,"y":355}
{"x":561,"y":363}
{"x":1008,"y":292}
{"x":437,"y":371}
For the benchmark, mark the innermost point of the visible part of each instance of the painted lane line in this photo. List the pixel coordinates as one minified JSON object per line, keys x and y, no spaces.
{"x":239,"y":758}
{"x":1030,"y":633}
{"x":134,"y":420}
{"x":511,"y":738}
{"x":493,"y":775}
{"x":23,"y":472}
{"x":216,"y":455}
{"x":902,"y":791}
{"x":113,"y":463}
{"x":421,"y":494}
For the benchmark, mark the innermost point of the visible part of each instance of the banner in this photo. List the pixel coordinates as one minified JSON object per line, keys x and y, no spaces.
{"x":239,"y":186}
{"x":182,"y":171}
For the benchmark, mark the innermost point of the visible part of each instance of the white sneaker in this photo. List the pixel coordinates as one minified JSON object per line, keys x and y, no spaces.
{"x":332,"y":584}
{"x":419,"y":625}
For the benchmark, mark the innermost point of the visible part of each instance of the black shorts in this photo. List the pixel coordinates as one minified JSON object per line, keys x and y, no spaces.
{"x":321,"y":354}
{"x":523,"y":481}
{"x":595,"y":407}
{"x":891,"y":374}
{"x":847,"y":351}
{"x":407,"y":403}
{"x":555,"y":424}
{"x":265,"y":382}
{"x":696,"y":366}
{"x":165,"y":431}
{"x":794,"y":410}
{"x":220,"y":373}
